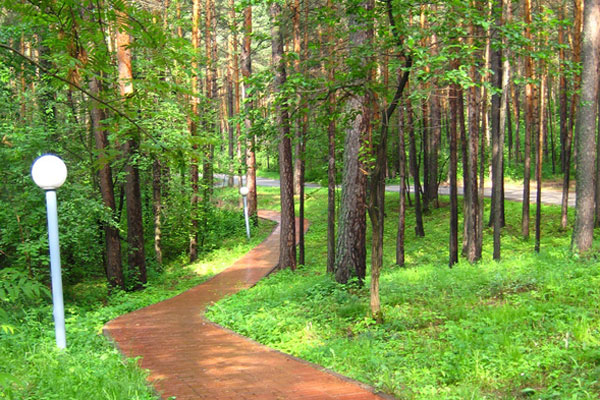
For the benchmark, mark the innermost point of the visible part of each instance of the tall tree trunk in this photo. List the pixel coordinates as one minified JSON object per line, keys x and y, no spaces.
{"x":251,"y":142}
{"x":351,"y":243}
{"x":331,"y":170}
{"x":192,"y":124}
{"x":472,"y":199}
{"x":210,"y":43}
{"x":597,"y":186}
{"x":402,"y":195}
{"x":297,"y":49}
{"x":516,"y":109}
{"x":377,"y":179}
{"x":287,"y":245}
{"x":351,"y":246}
{"x":157,"y":208}
{"x":114,"y":269}
{"x":231,"y":142}
{"x":539,"y":160}
{"x":577,"y":27}
{"x":414,"y":169}
{"x":453,"y":100}
{"x":434,"y":137}
{"x":497,"y":130}
{"x":585,"y":138}
{"x":562,"y":91}
{"x":472,"y":221}
{"x":135,"y":224}
{"x":529,"y":120}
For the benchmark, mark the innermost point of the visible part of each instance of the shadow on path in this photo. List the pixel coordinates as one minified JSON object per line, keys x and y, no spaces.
{"x":191,"y":358}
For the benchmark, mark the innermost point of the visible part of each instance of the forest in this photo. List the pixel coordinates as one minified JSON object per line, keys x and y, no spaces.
{"x":151,"y":103}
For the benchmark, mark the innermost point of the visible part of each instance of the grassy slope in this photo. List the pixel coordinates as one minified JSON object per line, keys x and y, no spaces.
{"x":91,"y":368}
{"x":526,"y":326}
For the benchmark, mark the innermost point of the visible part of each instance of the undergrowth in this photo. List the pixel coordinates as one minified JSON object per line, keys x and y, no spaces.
{"x":31,"y":367}
{"x":525,"y":327}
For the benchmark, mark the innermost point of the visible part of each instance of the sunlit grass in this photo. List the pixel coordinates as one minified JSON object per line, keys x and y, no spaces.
{"x":528,"y":325}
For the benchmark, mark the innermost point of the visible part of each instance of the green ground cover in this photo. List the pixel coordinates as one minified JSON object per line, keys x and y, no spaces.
{"x":525,"y":327}
{"x":91,"y":368}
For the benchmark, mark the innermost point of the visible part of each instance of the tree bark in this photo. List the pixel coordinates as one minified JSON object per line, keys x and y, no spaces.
{"x":114,"y":269}
{"x":402,"y":195}
{"x":577,"y":27}
{"x":135,"y":224}
{"x":350,"y":257}
{"x":539,"y":160}
{"x":452,"y":168}
{"x":585,"y":138}
{"x":414,"y":170}
{"x":331,"y":170}
{"x":192,"y":125}
{"x":157,"y":208}
{"x":351,"y":244}
{"x":529,"y":120}
{"x":251,"y":141}
{"x":497,"y":131}
{"x":472,"y":199}
{"x":562,"y":91}
{"x":377,"y":179}
{"x":287,"y":244}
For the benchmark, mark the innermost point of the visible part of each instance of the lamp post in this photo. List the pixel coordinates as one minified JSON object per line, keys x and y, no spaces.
{"x":50,"y":172}
{"x":244,"y":193}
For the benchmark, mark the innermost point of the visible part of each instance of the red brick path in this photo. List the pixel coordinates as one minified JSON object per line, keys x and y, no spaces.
{"x":191,"y":358}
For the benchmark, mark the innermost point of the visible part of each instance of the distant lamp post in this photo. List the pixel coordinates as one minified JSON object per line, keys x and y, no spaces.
{"x":244,"y":193}
{"x":50,"y":172}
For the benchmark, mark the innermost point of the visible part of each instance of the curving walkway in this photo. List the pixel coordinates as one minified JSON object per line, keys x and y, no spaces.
{"x":189,"y":357}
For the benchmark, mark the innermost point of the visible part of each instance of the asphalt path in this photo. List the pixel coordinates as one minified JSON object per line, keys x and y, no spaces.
{"x":549,"y":196}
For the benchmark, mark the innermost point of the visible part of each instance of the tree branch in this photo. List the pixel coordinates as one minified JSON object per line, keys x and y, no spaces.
{"x":74,"y":85}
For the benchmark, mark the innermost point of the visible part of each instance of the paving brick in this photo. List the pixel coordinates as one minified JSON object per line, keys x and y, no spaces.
{"x":192,"y":358}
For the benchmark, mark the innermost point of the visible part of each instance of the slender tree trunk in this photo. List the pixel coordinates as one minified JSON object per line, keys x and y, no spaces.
{"x":135,"y":224}
{"x":157,"y":208}
{"x":377,"y":180}
{"x":585,"y":138}
{"x":192,"y":125}
{"x":402,"y":194}
{"x":297,"y":50}
{"x":302,"y":51}
{"x":562,"y":91}
{"x":250,"y":152}
{"x":516,"y":109}
{"x":472,"y":200}
{"x":577,"y":26}
{"x":114,"y":269}
{"x":331,"y":131}
{"x":539,"y":160}
{"x":509,"y":125}
{"x":454,"y":93}
{"x":210,"y":43}
{"x":497,"y":132}
{"x":287,"y":245}
{"x":414,"y":170}
{"x":504,"y":106}
{"x":231,"y":142}
{"x":529,"y":117}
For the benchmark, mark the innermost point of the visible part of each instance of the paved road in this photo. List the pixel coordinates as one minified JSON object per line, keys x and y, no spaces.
{"x":549,"y":196}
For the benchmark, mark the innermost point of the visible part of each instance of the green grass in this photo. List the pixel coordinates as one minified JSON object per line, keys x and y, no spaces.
{"x":525,"y":327}
{"x":91,"y":368}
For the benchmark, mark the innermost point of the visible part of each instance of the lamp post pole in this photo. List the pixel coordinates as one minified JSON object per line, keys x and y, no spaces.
{"x":49,"y":172}
{"x":244,"y":193}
